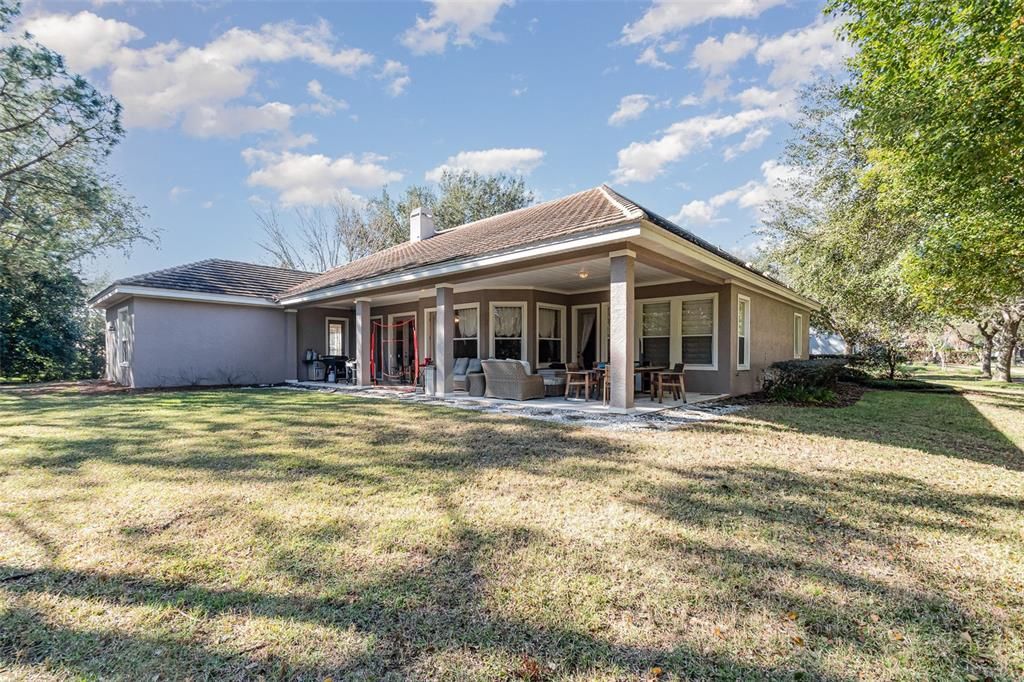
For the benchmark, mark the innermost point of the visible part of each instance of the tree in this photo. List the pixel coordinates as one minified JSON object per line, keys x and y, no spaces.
{"x":322,"y":239}
{"x":58,"y":203}
{"x":832,"y":238}
{"x":938,"y":88}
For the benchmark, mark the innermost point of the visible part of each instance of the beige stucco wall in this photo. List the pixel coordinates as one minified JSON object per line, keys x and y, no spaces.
{"x":771,"y":337}
{"x":179,"y":343}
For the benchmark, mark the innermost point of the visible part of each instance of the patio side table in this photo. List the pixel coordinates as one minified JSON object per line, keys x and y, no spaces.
{"x":476,"y":384}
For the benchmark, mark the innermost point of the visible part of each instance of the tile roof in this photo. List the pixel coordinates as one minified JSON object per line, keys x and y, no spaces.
{"x":589,"y":211}
{"x":217,"y":276}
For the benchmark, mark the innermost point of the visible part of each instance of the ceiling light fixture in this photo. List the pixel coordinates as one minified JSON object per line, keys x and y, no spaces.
{"x":583,"y":274}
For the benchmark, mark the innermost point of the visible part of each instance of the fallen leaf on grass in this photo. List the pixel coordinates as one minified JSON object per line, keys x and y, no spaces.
{"x":875,"y":618}
{"x":896,"y":635}
{"x":797,"y":640}
{"x":966,"y":637}
{"x":792,"y":615}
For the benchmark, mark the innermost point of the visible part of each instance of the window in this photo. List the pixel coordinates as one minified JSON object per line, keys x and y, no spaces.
{"x":798,"y":335}
{"x":337,"y":336}
{"x":508,"y":329}
{"x":743,"y":333}
{"x":655,"y":333}
{"x":429,"y":329}
{"x":467,"y":330}
{"x":699,"y":332}
{"x":123,"y":342}
{"x":550,"y":334}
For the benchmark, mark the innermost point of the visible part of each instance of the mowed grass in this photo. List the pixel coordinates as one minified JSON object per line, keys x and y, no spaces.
{"x":244,"y":534}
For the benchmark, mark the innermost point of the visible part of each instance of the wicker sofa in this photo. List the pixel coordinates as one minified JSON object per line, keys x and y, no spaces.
{"x":509,"y":380}
{"x":461,"y":369}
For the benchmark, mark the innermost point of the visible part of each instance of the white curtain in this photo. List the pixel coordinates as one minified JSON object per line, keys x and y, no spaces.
{"x":587,"y":320}
{"x":508,"y":322}
{"x":468,"y":323}
{"x":547,"y":324}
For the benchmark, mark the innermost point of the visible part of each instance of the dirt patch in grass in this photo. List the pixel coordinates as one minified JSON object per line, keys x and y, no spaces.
{"x":295,"y":535}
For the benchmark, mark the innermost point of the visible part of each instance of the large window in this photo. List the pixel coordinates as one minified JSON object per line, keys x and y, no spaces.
{"x":467,"y":331}
{"x":699,"y":332}
{"x":508,"y":330}
{"x":655,"y":333}
{"x":337,"y":336}
{"x":743,"y":333}
{"x":550,"y":334}
{"x":798,"y":335}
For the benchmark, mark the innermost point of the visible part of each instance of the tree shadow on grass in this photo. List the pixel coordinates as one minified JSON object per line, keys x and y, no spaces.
{"x":948,"y":425}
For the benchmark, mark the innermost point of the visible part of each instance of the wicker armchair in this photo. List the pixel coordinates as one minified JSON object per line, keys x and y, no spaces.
{"x":508,"y":379}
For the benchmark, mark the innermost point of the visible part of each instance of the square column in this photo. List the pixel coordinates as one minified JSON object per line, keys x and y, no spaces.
{"x":621,"y":313}
{"x":291,"y":345}
{"x":444,"y":343}
{"x":363,"y":332}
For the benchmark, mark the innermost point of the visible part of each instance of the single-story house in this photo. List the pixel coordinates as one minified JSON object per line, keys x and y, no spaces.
{"x":590,"y":278}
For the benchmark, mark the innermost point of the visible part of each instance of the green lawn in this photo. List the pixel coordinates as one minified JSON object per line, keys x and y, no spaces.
{"x":967,"y":378}
{"x":278,"y":534}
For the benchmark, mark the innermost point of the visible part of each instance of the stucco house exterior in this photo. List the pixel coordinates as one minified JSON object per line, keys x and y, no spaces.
{"x":591,"y":277}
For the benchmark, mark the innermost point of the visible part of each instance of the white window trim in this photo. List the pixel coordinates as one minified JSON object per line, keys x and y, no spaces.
{"x":427,"y":351}
{"x":743,"y":363}
{"x":639,"y":322}
{"x":798,"y":334}
{"x":526,"y":324}
{"x":327,"y":335}
{"x":122,"y":335}
{"x":470,"y":306}
{"x":563,"y":325}
{"x":574,"y":345}
{"x":715,"y":323}
{"x":676,"y":347}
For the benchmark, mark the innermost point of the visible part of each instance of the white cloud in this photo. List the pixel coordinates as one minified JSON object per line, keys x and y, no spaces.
{"x":207,"y":204}
{"x":87,"y":41}
{"x":797,"y":55}
{"x":215,"y":121}
{"x":306,"y":179}
{"x":397,"y":75}
{"x":689,"y":101}
{"x":753,"y":140}
{"x":519,"y":92}
{"x":630,"y":107}
{"x":717,"y":56}
{"x":177,"y":192}
{"x":664,"y":17}
{"x":650,"y":57}
{"x":753,"y":194}
{"x":644,"y":161}
{"x":169,"y":82}
{"x":490,"y":161}
{"x":323,"y":104}
{"x":457,"y":21}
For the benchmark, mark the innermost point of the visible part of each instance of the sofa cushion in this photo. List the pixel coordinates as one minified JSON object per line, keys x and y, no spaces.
{"x":460,"y":366}
{"x":525,"y":364}
{"x":474,"y":366}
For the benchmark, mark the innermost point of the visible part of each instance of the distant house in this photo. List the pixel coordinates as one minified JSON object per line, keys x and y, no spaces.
{"x":824,"y":343}
{"x":589,"y":278}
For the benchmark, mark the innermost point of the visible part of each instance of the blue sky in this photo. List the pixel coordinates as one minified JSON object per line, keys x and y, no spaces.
{"x":229,"y":107}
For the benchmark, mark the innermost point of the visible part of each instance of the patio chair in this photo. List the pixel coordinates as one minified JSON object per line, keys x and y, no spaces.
{"x":509,"y":380}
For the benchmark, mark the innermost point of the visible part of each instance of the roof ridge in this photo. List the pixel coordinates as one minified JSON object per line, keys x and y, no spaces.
{"x":610,"y":194}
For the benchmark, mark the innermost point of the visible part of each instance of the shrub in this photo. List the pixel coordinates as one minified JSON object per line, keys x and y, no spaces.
{"x":783,"y":380}
{"x":800,"y":394}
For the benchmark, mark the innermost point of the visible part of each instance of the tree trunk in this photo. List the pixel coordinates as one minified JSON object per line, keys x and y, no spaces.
{"x":986,"y":357}
{"x":1007,"y":345}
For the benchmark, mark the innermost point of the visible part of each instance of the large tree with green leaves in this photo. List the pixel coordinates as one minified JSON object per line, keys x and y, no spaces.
{"x":832,"y":237}
{"x":58,"y":201}
{"x":938,"y":90}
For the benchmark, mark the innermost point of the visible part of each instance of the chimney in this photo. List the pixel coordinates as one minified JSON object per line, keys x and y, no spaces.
{"x":421,"y":225}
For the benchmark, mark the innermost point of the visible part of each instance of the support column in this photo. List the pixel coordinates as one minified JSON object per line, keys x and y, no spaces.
{"x":363,"y":350}
{"x":444,"y":344}
{"x":622,"y":329}
{"x":291,"y":345}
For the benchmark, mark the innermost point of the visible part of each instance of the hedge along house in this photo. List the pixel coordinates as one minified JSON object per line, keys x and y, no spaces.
{"x":591,"y":277}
